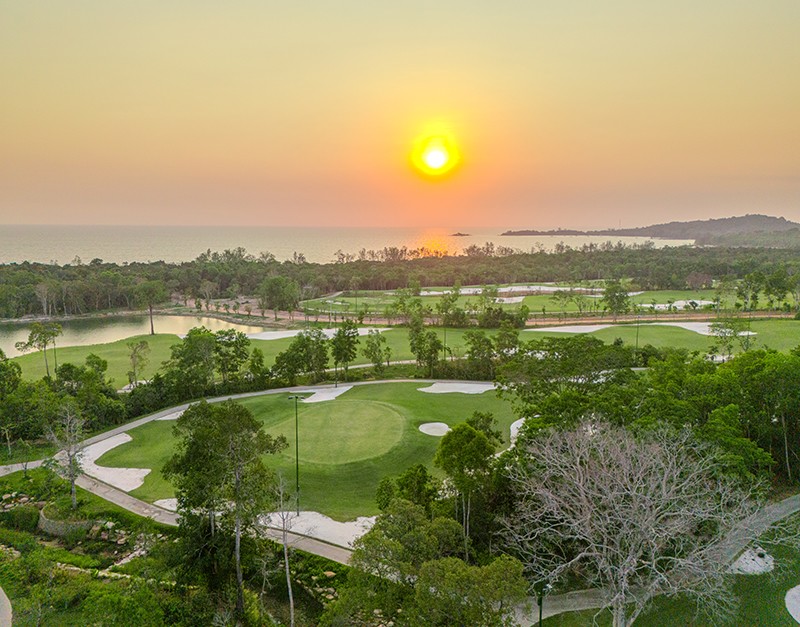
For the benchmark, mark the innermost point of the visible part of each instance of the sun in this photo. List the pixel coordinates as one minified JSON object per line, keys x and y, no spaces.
{"x":435,"y":155}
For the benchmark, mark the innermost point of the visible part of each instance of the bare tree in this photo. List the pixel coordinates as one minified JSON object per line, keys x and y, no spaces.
{"x":286,"y":501}
{"x":67,"y":434}
{"x":636,"y":515}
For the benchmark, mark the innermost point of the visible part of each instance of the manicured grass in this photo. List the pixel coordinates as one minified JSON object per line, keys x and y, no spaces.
{"x":364,"y":429}
{"x":781,"y":334}
{"x":116,"y":354}
{"x":347,"y":445}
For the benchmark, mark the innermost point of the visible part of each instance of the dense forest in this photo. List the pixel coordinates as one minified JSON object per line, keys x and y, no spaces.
{"x":79,"y":288}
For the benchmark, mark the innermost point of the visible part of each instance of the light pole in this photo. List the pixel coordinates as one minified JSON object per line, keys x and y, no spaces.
{"x":296,"y":452}
{"x":542,"y":590}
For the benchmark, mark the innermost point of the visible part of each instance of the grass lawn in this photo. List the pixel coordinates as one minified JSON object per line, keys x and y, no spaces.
{"x":116,"y":353}
{"x":347,"y":445}
{"x":782,"y":335}
{"x":761,"y":602}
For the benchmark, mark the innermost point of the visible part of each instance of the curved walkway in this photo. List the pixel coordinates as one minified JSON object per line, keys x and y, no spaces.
{"x":734,"y":544}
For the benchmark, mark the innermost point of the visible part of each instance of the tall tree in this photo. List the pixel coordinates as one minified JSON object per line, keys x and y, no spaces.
{"x":376,"y":350}
{"x":219,"y":467}
{"x":139,"y":353}
{"x":634,"y":515}
{"x":465,"y":454}
{"x":344,"y":345}
{"x":148,"y":294}
{"x":67,"y":434}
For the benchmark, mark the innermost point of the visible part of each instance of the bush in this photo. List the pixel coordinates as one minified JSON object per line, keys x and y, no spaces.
{"x":21,"y":518}
{"x":23,"y":542}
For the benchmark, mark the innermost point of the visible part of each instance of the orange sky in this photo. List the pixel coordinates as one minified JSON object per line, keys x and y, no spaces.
{"x":567,"y":114}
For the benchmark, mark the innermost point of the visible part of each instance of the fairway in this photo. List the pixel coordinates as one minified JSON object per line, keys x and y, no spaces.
{"x":347,"y":445}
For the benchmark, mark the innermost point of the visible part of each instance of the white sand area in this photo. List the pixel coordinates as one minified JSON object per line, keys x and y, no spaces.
{"x":170,"y":504}
{"x":792,"y":600}
{"x":463,"y":388}
{"x":509,"y":300}
{"x":436,"y":429}
{"x":280,"y":335}
{"x":755,"y":561}
{"x":703,"y":328}
{"x":311,"y":524}
{"x":678,"y":304}
{"x":125,"y":479}
{"x":173,"y":416}
{"x":514,"y":429}
{"x":319,"y":526}
{"x":328,"y":394}
{"x":574,"y":328}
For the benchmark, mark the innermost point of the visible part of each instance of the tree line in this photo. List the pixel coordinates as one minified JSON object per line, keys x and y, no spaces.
{"x":78,"y":288}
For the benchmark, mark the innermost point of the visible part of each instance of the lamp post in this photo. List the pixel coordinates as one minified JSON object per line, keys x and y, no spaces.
{"x":296,"y":452}
{"x":541,"y":589}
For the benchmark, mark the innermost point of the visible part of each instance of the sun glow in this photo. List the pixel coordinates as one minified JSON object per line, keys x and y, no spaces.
{"x":435,"y":155}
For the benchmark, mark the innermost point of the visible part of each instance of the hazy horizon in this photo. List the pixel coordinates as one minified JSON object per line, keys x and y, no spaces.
{"x":571,"y":115}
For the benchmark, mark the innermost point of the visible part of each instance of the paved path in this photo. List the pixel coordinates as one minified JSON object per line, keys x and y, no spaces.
{"x":148,"y":510}
{"x":729,"y":549}
{"x":5,"y":610}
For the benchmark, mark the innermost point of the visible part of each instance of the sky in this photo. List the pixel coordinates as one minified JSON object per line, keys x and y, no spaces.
{"x":566,"y":113}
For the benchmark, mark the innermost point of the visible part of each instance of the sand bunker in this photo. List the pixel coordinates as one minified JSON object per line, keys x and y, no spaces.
{"x":515,"y":427}
{"x":311,"y":524}
{"x":792,"y":600}
{"x":703,"y":328}
{"x":754,"y":561}
{"x":319,"y":526}
{"x":463,"y":388}
{"x":327,"y":394}
{"x":280,"y":335}
{"x":125,"y":479}
{"x":508,"y":300}
{"x":574,"y":328}
{"x":437,"y":429}
{"x":173,"y":416}
{"x":169,"y":504}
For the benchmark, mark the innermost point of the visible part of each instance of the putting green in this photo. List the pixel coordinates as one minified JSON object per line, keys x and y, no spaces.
{"x":347,"y":445}
{"x":343,"y":432}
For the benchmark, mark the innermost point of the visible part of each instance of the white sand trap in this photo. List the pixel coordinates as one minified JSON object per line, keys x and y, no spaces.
{"x":326,"y":395}
{"x":508,"y":300}
{"x":515,"y":427}
{"x":125,"y":479}
{"x":792,"y":600}
{"x":463,"y":388}
{"x":168,"y":504}
{"x":321,"y":527}
{"x":754,"y":561}
{"x":703,"y":328}
{"x":280,"y":335}
{"x":574,"y":328}
{"x":437,"y":429}
{"x":173,"y":416}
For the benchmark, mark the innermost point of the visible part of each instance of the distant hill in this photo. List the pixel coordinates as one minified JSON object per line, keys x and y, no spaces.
{"x":703,"y":230}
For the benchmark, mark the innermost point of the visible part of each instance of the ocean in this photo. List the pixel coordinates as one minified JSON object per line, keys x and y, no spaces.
{"x":119,"y":244}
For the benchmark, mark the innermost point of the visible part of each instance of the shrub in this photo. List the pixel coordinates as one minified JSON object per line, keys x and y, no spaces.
{"x":21,"y":518}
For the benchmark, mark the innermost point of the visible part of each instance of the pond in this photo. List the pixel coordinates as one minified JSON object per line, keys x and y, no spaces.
{"x":84,"y":331}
